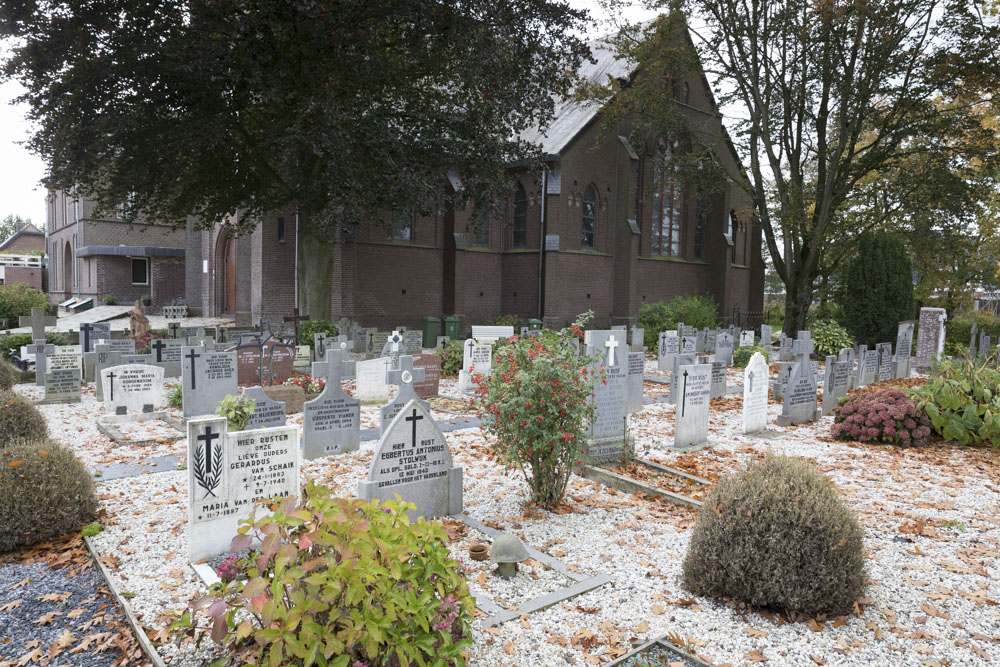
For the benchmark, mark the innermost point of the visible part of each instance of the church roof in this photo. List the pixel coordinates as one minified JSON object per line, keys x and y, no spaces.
{"x":571,"y":116}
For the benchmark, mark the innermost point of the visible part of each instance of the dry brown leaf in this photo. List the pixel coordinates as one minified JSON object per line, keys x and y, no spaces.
{"x":815,"y":626}
{"x":509,"y":648}
{"x":642,"y":627}
{"x":818,"y":661}
{"x":754,"y":632}
{"x":657,"y":610}
{"x":754,"y":656}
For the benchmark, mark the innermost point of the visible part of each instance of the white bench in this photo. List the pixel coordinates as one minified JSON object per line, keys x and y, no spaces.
{"x":491,"y":334}
{"x":175,"y":312}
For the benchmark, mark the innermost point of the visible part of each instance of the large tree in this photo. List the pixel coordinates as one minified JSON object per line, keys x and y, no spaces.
{"x":341,"y":110}
{"x":824,"y":94}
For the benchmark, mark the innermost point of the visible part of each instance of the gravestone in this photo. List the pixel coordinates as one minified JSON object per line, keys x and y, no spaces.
{"x":711,"y":335}
{"x":228,"y":472}
{"x":691,"y":425}
{"x":638,"y":339}
{"x":781,"y":380}
{"x":667,"y":349}
{"x":145,"y":359}
{"x":62,"y":385}
{"x":206,"y":378}
{"x":174,"y":329}
{"x":718,"y":388}
{"x":303,"y":356}
{"x":699,"y":342}
{"x":904,"y":345}
{"x":724,"y":348}
{"x":884,"y":352}
{"x":689,"y":344}
{"x":606,"y":440}
{"x":187,"y":333}
{"x":972,"y":339}
{"x":476,"y":359}
{"x":679,"y":360}
{"x":248,"y":363}
{"x":430,"y":364}
{"x":319,"y":344}
{"x":348,"y":367}
{"x":103,"y":358}
{"x":859,"y":370}
{"x":167,"y":354}
{"x":375,"y":341}
{"x":371,"y":380}
{"x":799,"y":405}
{"x":393,"y":348}
{"x":755,"y":381}
{"x":91,"y":332}
{"x":37,"y":321}
{"x":132,"y":388}
{"x":413,"y":460}
{"x":413,"y":342}
{"x":785,"y":352}
{"x":835,"y":383}
{"x":869,"y":370}
{"x":803,"y":347}
{"x":279,"y":359}
{"x":636,"y":372}
{"x":746,"y":339}
{"x":930,"y":336}
{"x":331,"y":423}
{"x":404,"y":378}
{"x":65,"y":356}
{"x":267,"y":413}
{"x":41,"y":350}
{"x":984,"y":345}
{"x":765,"y":336}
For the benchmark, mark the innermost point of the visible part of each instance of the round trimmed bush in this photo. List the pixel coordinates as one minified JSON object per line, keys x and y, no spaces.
{"x":777,"y":535}
{"x":44,"y":491}
{"x":19,"y":419}
{"x":9,"y":375}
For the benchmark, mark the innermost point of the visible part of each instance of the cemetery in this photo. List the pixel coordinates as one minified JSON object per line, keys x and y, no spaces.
{"x":598,"y":536}
{"x":523,"y":334}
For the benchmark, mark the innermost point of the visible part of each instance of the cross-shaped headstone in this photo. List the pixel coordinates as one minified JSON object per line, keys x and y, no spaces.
{"x":208,"y":437}
{"x":802,"y":348}
{"x":332,"y":368}
{"x":395,"y":339}
{"x":192,"y":355}
{"x":405,"y":366}
{"x":611,"y":344}
{"x":85,"y":329}
{"x":38,"y":321}
{"x":174,"y":329}
{"x":320,"y":342}
{"x":295,"y":318}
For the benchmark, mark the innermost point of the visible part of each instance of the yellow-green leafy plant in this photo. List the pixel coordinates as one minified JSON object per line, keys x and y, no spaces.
{"x":829,"y":337}
{"x":776,"y":534}
{"x":238,"y":410}
{"x":19,"y":419}
{"x":45,"y":491}
{"x":338,"y":582}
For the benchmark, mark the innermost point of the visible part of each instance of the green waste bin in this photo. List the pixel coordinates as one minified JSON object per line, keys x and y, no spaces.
{"x":431,"y":327}
{"x":451,"y":326}
{"x":534,"y":325}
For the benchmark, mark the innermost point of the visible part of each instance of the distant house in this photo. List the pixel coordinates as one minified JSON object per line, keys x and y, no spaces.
{"x":92,"y":257}
{"x":25,"y":240}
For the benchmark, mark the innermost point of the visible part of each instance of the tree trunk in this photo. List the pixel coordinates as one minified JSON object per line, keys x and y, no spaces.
{"x":315,"y":271}
{"x":798,"y":297}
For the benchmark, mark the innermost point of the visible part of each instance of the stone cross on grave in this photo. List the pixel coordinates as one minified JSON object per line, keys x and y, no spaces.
{"x":470,"y":344}
{"x":413,"y":419}
{"x":684,"y":389}
{"x":206,"y":460}
{"x":174,"y":329}
{"x":333,"y":367}
{"x":611,"y":344}
{"x":295,"y":318}
{"x":320,"y":341}
{"x":157,"y":347}
{"x":802,"y":348}
{"x":38,"y":321}
{"x":750,"y":378}
{"x":395,"y":376}
{"x":111,"y":380}
{"x":395,"y":339}
{"x":85,"y":329}
{"x":192,"y":355}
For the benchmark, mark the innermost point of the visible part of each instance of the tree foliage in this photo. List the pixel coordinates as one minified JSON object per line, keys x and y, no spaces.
{"x":339,"y":110}
{"x":10,"y":224}
{"x":827,"y":93}
{"x":878,"y":289}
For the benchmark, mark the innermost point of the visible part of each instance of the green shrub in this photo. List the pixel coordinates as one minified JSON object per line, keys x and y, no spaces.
{"x":109,"y":299}
{"x":9,"y":375}
{"x":44,"y":491}
{"x":18,"y":299}
{"x":237,"y":410}
{"x":310,"y":327}
{"x":452,"y":355}
{"x":829,"y":337}
{"x":534,"y":409}
{"x":693,"y":310}
{"x":962,"y":399}
{"x":19,"y":419}
{"x":91,"y":529}
{"x":777,"y":535}
{"x":175,"y":396}
{"x":827,"y":311}
{"x":958,"y":331}
{"x":506,"y":320}
{"x":774,"y":313}
{"x":741,"y":355}
{"x":880,"y":282}
{"x":882,"y":416}
{"x":16,"y":341}
{"x":339,"y":582}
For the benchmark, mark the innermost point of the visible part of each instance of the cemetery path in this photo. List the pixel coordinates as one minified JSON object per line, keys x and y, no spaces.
{"x":55,"y":608}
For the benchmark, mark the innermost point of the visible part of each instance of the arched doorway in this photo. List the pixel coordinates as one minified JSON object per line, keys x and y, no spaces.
{"x":68,"y":269}
{"x":229,"y":276}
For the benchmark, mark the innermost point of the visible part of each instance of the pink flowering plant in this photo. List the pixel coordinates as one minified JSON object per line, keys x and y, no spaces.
{"x":887,"y":416}
{"x":337,"y":582}
{"x":535,"y":407}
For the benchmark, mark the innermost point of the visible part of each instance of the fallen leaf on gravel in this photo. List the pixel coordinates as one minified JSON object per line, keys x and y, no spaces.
{"x":817,"y":660}
{"x":75,"y":613}
{"x":840,"y":621}
{"x":754,"y":632}
{"x":493,"y":631}
{"x":509,"y":648}
{"x":815,"y":626}
{"x":931,"y":611}
{"x":754,"y":656}
{"x":874,"y":628}
{"x":642,"y":627}
{"x":23,"y":582}
{"x":657,"y":610}
{"x":11,"y":606}
{"x":55,"y":597}
{"x":45,"y":619}
{"x":588,"y":610}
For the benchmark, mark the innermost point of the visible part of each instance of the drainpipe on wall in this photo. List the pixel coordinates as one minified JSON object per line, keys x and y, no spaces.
{"x":541,"y":241}
{"x":79,"y":239}
{"x":296,"y":257}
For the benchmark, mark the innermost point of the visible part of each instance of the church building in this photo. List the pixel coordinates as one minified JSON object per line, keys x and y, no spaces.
{"x":599,"y":227}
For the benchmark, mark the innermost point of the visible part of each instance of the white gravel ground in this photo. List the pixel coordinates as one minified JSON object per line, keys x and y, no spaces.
{"x":933,"y":590}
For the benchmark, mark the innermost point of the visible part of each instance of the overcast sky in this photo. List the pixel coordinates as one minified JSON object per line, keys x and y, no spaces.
{"x":21,"y":172}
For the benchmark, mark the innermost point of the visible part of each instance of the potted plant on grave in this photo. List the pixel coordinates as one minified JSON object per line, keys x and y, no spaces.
{"x":535,"y":406}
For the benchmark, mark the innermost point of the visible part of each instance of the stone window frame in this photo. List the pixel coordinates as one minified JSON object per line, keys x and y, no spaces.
{"x":519,"y":219}
{"x":132,"y":261}
{"x":590,"y":199}
{"x":281,"y":230}
{"x":401,"y":225}
{"x":661,"y":185}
